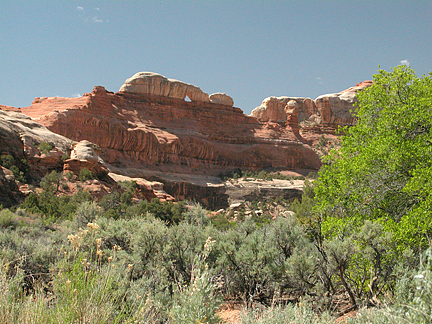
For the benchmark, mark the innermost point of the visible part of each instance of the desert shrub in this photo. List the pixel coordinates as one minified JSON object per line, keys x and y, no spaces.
{"x":87,"y":212}
{"x":50,"y":182}
{"x":45,"y":147}
{"x":85,"y":174}
{"x":295,"y":314}
{"x":197,"y":216}
{"x":7,"y":161}
{"x":32,"y":249}
{"x":7,"y":218}
{"x":111,"y":203}
{"x":129,"y":186}
{"x":52,"y":207}
{"x":167,"y":211}
{"x":198,"y":302}
{"x":69,"y":175}
{"x":413,"y":300}
{"x":82,"y":289}
{"x":126,"y":198}
{"x":20,"y":169}
{"x":185,"y":242}
{"x":65,"y":157}
{"x":246,"y":261}
{"x":231,"y":174}
{"x":222,"y":222}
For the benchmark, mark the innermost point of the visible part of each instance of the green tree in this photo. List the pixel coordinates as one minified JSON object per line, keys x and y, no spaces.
{"x":383,"y":170}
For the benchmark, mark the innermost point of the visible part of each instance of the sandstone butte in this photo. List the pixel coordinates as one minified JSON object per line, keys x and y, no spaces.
{"x":148,"y":130}
{"x":149,"y":125}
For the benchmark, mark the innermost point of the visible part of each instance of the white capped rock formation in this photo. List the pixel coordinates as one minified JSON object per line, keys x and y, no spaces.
{"x":221,"y":99}
{"x":273,"y":108}
{"x":327,"y":110}
{"x":156,"y":84}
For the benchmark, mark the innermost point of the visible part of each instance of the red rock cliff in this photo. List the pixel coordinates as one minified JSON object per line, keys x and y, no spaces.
{"x":170,"y":134}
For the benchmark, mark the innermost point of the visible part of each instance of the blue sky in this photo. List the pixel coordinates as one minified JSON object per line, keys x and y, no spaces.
{"x":248,"y":49}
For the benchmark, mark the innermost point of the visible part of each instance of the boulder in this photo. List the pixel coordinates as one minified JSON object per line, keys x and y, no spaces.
{"x":221,"y":99}
{"x":84,"y":155}
{"x":21,"y":137}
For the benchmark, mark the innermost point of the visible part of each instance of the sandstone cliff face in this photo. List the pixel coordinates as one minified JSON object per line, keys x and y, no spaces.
{"x":170,"y":134}
{"x":329,"y":110}
{"x":20,"y":137}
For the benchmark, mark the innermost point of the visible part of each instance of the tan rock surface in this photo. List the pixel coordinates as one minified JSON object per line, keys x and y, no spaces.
{"x":147,"y":189}
{"x":329,"y":110}
{"x":273,"y":109}
{"x":336,"y":108}
{"x":84,"y":154}
{"x":158,"y":85}
{"x":221,"y":99}
{"x":20,"y":136}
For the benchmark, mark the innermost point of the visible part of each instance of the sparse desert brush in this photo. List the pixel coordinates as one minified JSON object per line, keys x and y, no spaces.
{"x":198,"y":302}
{"x":85,"y":286}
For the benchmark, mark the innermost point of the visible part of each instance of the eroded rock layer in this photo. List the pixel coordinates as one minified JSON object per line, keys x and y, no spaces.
{"x":167,"y":133}
{"x":150,"y":83}
{"x":329,"y":110}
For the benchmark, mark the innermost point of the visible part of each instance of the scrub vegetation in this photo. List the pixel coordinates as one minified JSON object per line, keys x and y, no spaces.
{"x":358,"y":242}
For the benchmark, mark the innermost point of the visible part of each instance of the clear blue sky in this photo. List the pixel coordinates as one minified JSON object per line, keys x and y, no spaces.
{"x":248,"y":49}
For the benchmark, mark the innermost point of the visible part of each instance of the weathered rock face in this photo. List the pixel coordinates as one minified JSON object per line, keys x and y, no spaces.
{"x":221,"y":99}
{"x":330,"y":110}
{"x":273,"y":109}
{"x":336,"y":109}
{"x":170,"y":134}
{"x":20,"y":136}
{"x":83,"y":155}
{"x":147,"y":189}
{"x":156,"y":84}
{"x":9,"y":193}
{"x":149,"y":83}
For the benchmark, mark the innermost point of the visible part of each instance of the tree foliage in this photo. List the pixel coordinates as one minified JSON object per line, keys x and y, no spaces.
{"x":383,"y":170}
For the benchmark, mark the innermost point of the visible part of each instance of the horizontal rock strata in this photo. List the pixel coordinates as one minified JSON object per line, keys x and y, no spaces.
{"x":168,"y":133}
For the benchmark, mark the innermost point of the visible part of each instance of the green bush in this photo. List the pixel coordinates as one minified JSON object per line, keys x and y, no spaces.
{"x":53,"y":207}
{"x":198,"y":302}
{"x":87,"y":212}
{"x":20,"y":169}
{"x":45,"y":147}
{"x":50,"y":182}
{"x":69,"y":175}
{"x":85,"y":174}
{"x":7,"y":218}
